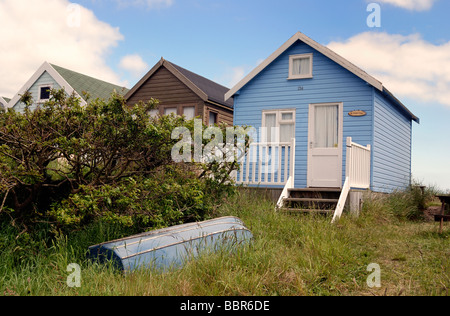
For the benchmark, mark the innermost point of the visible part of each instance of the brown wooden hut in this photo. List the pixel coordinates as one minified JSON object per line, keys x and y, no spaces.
{"x":183,"y":92}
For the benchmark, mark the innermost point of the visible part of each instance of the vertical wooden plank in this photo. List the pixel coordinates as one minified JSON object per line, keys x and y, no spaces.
{"x":292,"y":173}
{"x":260,"y":147}
{"x":286,"y":162}
{"x":280,"y":151}
{"x":248,"y":167}
{"x":242,"y":170}
{"x":254,"y":160}
{"x":266,"y":171}
{"x":272,"y":163}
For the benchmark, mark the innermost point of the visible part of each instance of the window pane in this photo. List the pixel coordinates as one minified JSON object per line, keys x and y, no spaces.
{"x":45,"y":93}
{"x":326,"y":126}
{"x":169,"y":111}
{"x":271,"y":123}
{"x":287,"y":132}
{"x":212,"y":118}
{"x":189,"y":112}
{"x":301,"y":66}
{"x":287,"y":116}
{"x":153,"y":113}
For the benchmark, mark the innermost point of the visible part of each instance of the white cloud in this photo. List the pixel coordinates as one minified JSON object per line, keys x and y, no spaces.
{"x":408,"y":66}
{"x":134,"y":64}
{"x":413,"y":5}
{"x":56,"y":31}
{"x":233,"y":75}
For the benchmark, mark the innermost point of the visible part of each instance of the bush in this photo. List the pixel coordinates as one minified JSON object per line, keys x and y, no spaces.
{"x":71,"y":165}
{"x":408,"y":204}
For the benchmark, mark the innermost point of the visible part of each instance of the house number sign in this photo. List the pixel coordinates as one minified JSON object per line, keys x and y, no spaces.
{"x":357,"y":113}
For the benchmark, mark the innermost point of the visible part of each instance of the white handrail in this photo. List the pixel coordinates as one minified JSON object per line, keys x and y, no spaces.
{"x":358,"y":164}
{"x":267,"y":164}
{"x":357,"y":173}
{"x":342,"y":200}
{"x":285,"y":193}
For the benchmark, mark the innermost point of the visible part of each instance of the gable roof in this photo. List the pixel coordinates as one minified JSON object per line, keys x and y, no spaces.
{"x":330,"y":54}
{"x":71,"y":82}
{"x":95,"y":87}
{"x":206,"y":89}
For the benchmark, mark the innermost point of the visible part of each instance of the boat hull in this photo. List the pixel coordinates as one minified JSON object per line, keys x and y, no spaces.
{"x":173,"y":246}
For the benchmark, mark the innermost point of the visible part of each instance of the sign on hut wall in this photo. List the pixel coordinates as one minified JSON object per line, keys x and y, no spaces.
{"x":357,"y":113}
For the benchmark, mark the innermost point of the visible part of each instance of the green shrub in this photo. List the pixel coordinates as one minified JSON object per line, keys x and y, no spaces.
{"x":408,"y":204}
{"x":70,"y":165}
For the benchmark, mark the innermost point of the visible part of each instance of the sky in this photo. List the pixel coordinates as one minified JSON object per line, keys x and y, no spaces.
{"x":403,"y":43}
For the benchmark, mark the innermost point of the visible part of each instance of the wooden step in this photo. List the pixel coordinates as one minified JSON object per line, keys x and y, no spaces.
{"x":316,"y":194}
{"x":310,"y":211}
{"x":315,"y":190}
{"x":311,"y":200}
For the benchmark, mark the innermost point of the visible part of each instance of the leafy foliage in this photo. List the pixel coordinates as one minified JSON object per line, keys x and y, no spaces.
{"x":70,"y":165}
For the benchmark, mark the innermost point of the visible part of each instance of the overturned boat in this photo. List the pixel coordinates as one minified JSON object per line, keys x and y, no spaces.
{"x":173,"y":246}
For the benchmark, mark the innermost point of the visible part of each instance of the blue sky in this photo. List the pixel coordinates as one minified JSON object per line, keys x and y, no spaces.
{"x":223,"y":40}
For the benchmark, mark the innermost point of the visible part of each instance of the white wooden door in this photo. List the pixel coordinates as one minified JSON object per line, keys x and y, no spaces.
{"x":325,"y":145}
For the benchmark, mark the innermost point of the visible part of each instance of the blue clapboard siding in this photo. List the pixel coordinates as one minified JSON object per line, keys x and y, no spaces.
{"x":391,"y":159}
{"x":44,"y":79}
{"x":271,"y":90}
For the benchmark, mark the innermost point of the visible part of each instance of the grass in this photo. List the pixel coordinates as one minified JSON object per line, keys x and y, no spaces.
{"x":290,"y":255}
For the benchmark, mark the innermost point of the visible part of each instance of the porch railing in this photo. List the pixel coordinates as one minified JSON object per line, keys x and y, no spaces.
{"x":357,"y":173}
{"x":267,"y":164}
{"x":358,"y":164}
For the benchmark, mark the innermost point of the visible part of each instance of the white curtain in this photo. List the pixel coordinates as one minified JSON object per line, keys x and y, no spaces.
{"x":301,"y":67}
{"x":189,"y":112}
{"x":271,"y":123}
{"x":153,"y":113}
{"x":326,"y":126}
{"x":169,"y":111}
{"x":287,"y":132}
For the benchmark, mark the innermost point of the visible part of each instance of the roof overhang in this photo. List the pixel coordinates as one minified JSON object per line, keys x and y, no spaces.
{"x":390,"y":96}
{"x":164,"y":63}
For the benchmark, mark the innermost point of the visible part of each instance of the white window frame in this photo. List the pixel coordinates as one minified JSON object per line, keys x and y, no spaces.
{"x":300,"y":56}
{"x":49,"y":86}
{"x":279,"y":121}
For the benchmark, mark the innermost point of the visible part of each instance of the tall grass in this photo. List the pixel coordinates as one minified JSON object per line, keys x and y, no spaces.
{"x":290,"y":255}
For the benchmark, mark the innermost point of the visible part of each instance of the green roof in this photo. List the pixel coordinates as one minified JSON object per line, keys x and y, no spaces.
{"x":95,"y":87}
